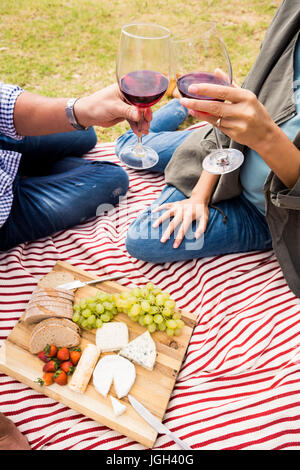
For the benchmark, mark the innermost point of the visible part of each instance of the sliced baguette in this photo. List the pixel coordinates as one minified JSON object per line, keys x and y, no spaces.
{"x":56,"y":333}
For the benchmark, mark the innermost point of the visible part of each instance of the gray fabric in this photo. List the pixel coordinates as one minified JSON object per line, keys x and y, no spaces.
{"x":271,"y":79}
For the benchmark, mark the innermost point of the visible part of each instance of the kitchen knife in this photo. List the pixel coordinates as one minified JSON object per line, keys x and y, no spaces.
{"x":155,"y":423}
{"x":77,"y":284}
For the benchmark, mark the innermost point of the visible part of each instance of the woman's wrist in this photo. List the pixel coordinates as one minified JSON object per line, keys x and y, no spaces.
{"x":199,"y":198}
{"x":271,"y":135}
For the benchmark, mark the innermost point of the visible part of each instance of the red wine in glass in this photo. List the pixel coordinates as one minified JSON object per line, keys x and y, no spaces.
{"x":144,"y":88}
{"x":188,"y":79}
{"x":201,"y":57}
{"x":143,"y":73}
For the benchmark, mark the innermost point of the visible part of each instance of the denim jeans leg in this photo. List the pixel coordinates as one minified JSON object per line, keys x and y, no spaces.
{"x":48,"y":204}
{"x":39,"y":153}
{"x":163,"y":137}
{"x":246,"y":230}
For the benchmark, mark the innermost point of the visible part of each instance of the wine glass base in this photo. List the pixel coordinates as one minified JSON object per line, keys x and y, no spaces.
{"x":223,"y":161}
{"x":138,"y":161}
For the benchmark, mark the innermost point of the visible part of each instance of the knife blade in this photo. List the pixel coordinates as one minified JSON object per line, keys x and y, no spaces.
{"x":77,"y":284}
{"x":155,"y":423}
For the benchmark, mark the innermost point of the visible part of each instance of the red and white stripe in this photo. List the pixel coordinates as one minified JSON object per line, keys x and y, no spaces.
{"x":239,"y":385}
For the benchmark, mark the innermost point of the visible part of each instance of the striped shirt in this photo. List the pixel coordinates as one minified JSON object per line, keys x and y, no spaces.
{"x":9,"y":161}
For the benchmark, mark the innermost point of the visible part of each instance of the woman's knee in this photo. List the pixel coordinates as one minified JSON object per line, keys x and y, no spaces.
{"x":142,"y":241}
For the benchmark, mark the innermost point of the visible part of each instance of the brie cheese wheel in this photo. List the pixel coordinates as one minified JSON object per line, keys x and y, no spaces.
{"x":114,"y":369}
{"x":141,"y":350}
{"x":112,"y":336}
{"x":118,"y":407}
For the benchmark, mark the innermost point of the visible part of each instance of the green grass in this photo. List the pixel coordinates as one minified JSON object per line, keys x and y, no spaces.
{"x":68,"y":48}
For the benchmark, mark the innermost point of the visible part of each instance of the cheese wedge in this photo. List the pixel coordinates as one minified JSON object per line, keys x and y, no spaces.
{"x":84,"y":368}
{"x":114,"y":369}
{"x":112,"y":336}
{"x":141,"y":350}
{"x":118,"y":407}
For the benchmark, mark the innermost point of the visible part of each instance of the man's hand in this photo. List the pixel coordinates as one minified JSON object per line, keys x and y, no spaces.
{"x":41,"y":115}
{"x":107,"y":107}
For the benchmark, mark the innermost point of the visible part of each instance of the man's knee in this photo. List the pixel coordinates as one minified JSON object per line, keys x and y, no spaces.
{"x":90,"y":138}
{"x":115,"y":179}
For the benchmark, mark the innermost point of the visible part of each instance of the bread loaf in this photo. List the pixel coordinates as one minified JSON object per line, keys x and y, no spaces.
{"x":49,"y":302}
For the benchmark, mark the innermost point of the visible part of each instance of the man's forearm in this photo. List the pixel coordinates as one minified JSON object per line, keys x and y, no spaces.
{"x":40,"y":115}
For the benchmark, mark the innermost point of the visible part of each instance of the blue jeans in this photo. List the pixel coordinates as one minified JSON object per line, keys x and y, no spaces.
{"x":244,"y":229}
{"x":55,"y":189}
{"x":234,"y":225}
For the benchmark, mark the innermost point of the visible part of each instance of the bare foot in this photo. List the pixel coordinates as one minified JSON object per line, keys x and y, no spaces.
{"x":10,"y":436}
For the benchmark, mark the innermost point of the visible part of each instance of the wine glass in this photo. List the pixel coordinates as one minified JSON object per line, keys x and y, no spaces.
{"x":143,"y":70}
{"x":203,"y":58}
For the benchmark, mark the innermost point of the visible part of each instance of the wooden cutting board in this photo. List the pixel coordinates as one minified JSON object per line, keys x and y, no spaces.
{"x":152,"y":388}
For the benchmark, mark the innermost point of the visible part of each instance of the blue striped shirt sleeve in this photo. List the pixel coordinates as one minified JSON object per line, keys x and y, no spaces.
{"x":8,"y":96}
{"x":9,"y":160}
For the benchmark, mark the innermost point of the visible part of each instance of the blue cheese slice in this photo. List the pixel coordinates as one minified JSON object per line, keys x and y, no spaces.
{"x":141,"y":350}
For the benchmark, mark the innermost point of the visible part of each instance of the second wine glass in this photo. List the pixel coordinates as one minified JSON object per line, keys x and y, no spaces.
{"x":143,"y":70}
{"x":203,"y":58}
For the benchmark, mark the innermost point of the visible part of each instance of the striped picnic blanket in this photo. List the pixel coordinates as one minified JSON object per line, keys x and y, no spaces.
{"x":239,"y":386}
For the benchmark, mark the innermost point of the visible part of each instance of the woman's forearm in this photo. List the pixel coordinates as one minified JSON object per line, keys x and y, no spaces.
{"x":246,"y":121}
{"x":205,"y":187}
{"x":281,"y":155}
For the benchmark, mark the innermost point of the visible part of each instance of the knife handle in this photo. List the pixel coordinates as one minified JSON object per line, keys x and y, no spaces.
{"x":179,"y":442}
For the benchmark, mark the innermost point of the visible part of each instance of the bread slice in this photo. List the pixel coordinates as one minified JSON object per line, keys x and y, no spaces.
{"x":58,"y":332}
{"x":37,"y":313}
{"x":52,"y":294}
{"x":55,"y":278}
{"x":58,"y":321}
{"x":62,"y":304}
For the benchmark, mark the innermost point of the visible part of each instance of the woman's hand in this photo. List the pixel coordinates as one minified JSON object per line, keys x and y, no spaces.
{"x":243,"y":118}
{"x":107,"y":107}
{"x":184,"y":213}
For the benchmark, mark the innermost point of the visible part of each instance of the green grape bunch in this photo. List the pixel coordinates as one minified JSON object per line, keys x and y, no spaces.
{"x":152,"y":308}
{"x":92,"y":312}
{"x":149,"y":306}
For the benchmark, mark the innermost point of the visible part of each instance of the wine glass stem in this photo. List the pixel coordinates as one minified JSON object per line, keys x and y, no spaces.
{"x":139,"y":150}
{"x":222,"y":160}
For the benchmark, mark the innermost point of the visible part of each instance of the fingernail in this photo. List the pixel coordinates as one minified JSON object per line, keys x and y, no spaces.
{"x":184,"y":101}
{"x":193,"y":89}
